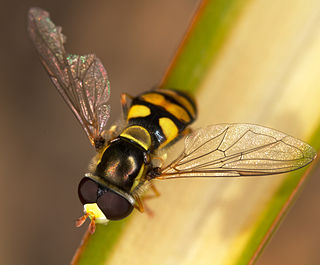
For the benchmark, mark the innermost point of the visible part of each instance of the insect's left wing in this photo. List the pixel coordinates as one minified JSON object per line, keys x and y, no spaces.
{"x":81,"y":79}
{"x":234,"y":150}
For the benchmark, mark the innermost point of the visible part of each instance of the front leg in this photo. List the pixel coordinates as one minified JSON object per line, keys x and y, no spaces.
{"x":141,"y":205}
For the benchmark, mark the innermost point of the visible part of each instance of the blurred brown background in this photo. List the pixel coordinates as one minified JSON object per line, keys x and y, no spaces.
{"x":44,"y":152}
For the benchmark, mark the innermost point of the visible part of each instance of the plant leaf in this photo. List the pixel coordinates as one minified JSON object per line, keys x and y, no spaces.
{"x":245,"y":62}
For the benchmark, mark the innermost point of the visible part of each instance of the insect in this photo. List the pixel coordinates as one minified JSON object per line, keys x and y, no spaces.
{"x":133,"y":154}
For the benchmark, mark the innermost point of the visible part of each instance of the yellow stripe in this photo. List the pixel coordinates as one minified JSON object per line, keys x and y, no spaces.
{"x":174,"y":109}
{"x":138,"y":178}
{"x":181,"y":99}
{"x":138,"y":111}
{"x":139,"y":135}
{"x":169,"y":129}
{"x":98,"y":157}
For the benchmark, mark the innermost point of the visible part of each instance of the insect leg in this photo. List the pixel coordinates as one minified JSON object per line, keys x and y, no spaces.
{"x":81,"y":220}
{"x":141,"y":202}
{"x":155,"y":191}
{"x":187,"y":131}
{"x":139,"y":205}
{"x":112,"y":133}
{"x":92,"y":226}
{"x":125,"y":104}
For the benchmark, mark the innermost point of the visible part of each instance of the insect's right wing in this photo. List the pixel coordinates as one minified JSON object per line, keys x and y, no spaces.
{"x":81,"y":80}
{"x":234,"y":150}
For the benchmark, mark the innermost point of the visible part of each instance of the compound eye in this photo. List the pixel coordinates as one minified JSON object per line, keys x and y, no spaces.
{"x":114,"y":206}
{"x":87,"y":191}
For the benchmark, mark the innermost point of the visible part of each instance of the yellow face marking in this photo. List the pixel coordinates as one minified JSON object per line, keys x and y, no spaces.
{"x":169,"y":129}
{"x":94,"y":212}
{"x":172,"y":108}
{"x":138,"y":111}
{"x":139,"y":135}
{"x":182,"y":100}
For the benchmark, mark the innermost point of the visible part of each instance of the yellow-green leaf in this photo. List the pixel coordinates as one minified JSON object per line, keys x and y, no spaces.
{"x":245,"y":61}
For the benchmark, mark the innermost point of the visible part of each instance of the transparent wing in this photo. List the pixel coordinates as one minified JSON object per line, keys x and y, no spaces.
{"x":234,"y":150}
{"x":81,"y":79}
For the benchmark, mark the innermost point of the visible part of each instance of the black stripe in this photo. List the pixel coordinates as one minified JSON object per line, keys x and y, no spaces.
{"x":182,"y":94}
{"x":157,"y":111}
{"x":151,"y":122}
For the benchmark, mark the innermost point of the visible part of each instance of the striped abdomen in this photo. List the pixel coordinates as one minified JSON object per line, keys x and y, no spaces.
{"x":163,"y":113}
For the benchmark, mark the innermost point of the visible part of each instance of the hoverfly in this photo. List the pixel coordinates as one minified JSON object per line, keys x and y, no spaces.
{"x":130,"y":156}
